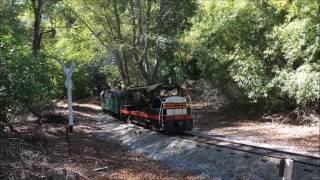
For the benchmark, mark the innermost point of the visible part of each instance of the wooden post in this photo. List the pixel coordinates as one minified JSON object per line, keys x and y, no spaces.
{"x":285,"y":169}
{"x":68,"y":83}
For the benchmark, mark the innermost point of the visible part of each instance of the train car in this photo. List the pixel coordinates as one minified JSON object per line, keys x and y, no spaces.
{"x":163,"y":108}
{"x":111,"y":102}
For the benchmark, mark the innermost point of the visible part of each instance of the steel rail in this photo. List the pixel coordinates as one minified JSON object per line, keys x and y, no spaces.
{"x":253,"y":149}
{"x":270,"y":152}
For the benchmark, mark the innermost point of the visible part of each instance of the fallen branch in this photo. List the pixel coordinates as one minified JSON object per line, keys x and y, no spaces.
{"x":94,"y":158}
{"x":100,"y":169}
{"x":297,"y":116}
{"x":17,"y":139}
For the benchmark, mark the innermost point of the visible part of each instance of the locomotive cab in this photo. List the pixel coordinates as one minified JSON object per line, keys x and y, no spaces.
{"x":175,"y":114}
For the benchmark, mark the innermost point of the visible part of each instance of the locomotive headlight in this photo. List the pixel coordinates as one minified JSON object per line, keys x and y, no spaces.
{"x":172,"y":112}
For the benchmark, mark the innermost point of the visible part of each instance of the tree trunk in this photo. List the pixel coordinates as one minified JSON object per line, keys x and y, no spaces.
{"x":146,"y":39}
{"x":125,"y":68}
{"x":117,"y":17}
{"x":117,"y":58}
{"x":142,"y":69}
{"x":121,"y":53}
{"x":140,"y":41}
{"x":159,"y":32}
{"x":37,"y":6}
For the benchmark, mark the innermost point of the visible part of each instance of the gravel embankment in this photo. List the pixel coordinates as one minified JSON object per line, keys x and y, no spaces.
{"x":209,"y":161}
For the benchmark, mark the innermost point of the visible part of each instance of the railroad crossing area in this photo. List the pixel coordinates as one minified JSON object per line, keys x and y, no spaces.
{"x":212,"y":158}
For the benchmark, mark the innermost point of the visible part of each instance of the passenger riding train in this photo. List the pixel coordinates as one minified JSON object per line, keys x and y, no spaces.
{"x":161,"y":107}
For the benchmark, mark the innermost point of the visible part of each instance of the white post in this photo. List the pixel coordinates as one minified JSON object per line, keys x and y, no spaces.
{"x":285,"y":169}
{"x":68,"y":83}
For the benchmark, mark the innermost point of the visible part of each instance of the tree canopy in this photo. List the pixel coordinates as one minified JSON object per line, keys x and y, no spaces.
{"x":268,"y":50}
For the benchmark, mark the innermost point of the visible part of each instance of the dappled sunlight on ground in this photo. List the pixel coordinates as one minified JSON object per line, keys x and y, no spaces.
{"x":90,"y":158}
{"x":297,"y":137}
{"x":96,"y":154}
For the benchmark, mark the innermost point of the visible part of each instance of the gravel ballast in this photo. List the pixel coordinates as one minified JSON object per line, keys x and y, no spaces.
{"x":210,"y":162}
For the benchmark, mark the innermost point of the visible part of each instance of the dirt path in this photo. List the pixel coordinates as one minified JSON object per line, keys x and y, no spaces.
{"x":40,"y":151}
{"x":298,"y":138}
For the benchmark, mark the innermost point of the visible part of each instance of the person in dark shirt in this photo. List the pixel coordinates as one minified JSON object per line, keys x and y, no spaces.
{"x":155,"y":99}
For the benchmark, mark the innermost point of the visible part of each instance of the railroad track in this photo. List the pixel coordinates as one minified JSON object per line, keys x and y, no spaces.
{"x":223,"y":142}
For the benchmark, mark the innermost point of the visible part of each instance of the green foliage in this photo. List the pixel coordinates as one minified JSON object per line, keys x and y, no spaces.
{"x":11,"y":33}
{"x":270,"y":49}
{"x":26,"y":79}
{"x":294,"y":50}
{"x":136,"y":33}
{"x":33,"y":82}
{"x":303,"y":84}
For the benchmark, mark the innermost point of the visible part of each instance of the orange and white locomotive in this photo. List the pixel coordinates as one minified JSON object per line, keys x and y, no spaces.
{"x":163,"y":108}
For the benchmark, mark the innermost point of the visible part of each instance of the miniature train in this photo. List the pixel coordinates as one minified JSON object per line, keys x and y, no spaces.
{"x":163,"y":108}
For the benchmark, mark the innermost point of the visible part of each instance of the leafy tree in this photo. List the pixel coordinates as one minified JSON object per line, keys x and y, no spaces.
{"x":295,"y":51}
{"x":30,"y":74}
{"x":138,"y":34}
{"x":269,"y":49}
